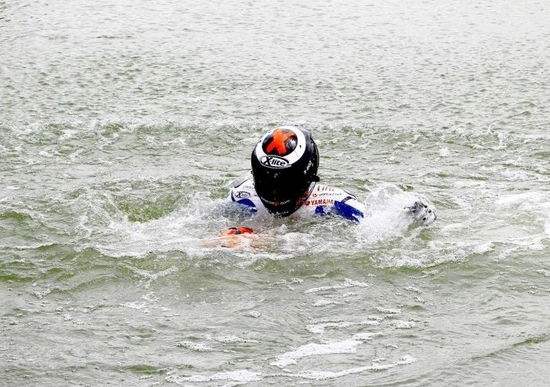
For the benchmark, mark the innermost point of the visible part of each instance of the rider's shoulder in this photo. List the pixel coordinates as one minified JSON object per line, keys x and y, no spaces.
{"x":242,"y":191}
{"x":323,"y":191}
{"x":243,"y":180}
{"x":326,"y":200}
{"x":243,"y":186}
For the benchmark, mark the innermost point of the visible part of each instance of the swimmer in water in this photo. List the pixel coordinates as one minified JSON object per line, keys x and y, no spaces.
{"x":284,"y":182}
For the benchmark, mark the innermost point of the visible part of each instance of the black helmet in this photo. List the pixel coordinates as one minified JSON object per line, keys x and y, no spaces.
{"x":284,"y":166}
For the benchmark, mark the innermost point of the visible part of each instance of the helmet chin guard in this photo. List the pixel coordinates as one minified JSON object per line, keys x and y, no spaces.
{"x":284,"y":167}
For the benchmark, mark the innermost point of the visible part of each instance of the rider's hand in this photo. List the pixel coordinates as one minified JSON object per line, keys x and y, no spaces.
{"x":422,"y":213}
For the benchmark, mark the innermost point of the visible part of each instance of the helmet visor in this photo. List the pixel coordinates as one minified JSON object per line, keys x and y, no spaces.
{"x":281,"y":191}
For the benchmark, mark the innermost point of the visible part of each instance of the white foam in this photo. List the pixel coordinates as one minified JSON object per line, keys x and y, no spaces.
{"x":321,"y":327}
{"x":400,"y":324}
{"x":113,"y":234}
{"x":153,"y":276}
{"x":349,"y":294}
{"x":68,"y":133}
{"x":534,"y":242}
{"x":324,"y":375}
{"x":124,"y":237}
{"x":483,"y":248}
{"x":253,"y":314}
{"x":329,"y":348}
{"x":324,"y":302}
{"x":468,"y":183}
{"x":531,"y":199}
{"x":135,"y":305}
{"x":198,"y":347}
{"x":386,"y":214}
{"x":444,"y":152}
{"x":241,"y":376}
{"x":388,"y":310}
{"x":348,"y":283}
{"x":231,"y":339}
{"x":314,"y":349}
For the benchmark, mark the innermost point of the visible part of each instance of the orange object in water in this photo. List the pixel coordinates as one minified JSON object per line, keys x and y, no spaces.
{"x":238,"y":230}
{"x":233,"y":237}
{"x":236,"y":237}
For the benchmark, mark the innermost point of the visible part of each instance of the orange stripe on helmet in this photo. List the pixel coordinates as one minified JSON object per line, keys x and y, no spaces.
{"x":278,"y":142}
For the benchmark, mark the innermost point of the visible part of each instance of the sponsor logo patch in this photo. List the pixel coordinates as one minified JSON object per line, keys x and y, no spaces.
{"x":274,"y":162}
{"x":319,"y":202}
{"x":325,"y":194}
{"x":242,"y":194}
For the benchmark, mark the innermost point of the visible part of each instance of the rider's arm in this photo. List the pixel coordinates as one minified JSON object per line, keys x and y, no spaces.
{"x":349,"y":208}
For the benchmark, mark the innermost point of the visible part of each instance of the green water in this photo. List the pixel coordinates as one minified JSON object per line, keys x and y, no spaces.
{"x":123,"y":123}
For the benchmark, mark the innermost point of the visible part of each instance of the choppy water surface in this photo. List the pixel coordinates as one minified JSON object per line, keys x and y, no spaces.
{"x":122,"y":124}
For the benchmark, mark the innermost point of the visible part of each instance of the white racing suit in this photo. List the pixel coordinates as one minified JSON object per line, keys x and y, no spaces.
{"x":323,"y":200}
